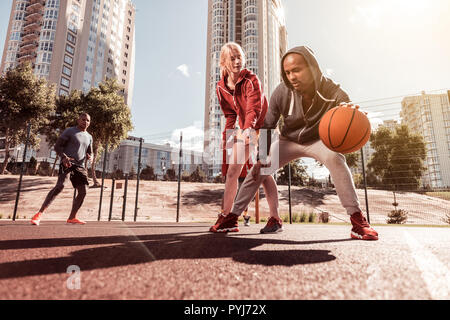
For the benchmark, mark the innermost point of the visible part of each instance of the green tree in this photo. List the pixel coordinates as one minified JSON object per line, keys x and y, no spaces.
{"x":298,"y":174}
{"x":170,"y":175}
{"x":148,"y":173}
{"x":197,"y":176}
{"x":25,"y":100}
{"x":110,"y":118}
{"x":398,"y":158}
{"x":352,"y":159}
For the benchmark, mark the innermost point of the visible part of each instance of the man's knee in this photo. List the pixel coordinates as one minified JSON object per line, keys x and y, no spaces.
{"x":58,"y":189}
{"x":334,"y":158}
{"x":82,"y":191}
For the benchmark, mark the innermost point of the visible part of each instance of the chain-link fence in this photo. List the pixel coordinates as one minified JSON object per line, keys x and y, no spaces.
{"x":175,"y":191}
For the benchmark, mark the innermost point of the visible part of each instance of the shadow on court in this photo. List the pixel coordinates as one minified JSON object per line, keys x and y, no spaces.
{"x":114,"y":251}
{"x":306,"y":197}
{"x":8,"y":190}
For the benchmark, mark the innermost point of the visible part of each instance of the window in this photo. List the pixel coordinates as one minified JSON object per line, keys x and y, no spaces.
{"x":65,"y":82}
{"x":63,"y":92}
{"x":68,"y":59}
{"x":71,"y":38}
{"x":67,"y":71}
{"x":70,"y":49}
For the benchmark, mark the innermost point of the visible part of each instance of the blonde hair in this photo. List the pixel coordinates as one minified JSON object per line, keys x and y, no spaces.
{"x":225,"y":54}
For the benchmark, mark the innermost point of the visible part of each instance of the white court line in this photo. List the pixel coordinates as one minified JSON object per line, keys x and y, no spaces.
{"x":435,"y":274}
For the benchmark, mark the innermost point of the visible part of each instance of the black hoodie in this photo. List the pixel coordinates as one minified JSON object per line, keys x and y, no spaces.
{"x":298,"y":126}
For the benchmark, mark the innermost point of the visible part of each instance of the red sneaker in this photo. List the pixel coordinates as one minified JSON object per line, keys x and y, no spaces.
{"x":75,"y":221}
{"x":361,"y":228}
{"x":36,"y":220}
{"x":228,"y":224}
{"x":220,"y":218}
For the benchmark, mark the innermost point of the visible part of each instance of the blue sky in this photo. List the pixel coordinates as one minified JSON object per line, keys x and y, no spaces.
{"x":374,"y":48}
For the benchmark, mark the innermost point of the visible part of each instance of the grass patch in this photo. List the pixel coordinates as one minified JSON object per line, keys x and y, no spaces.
{"x":439,"y":194}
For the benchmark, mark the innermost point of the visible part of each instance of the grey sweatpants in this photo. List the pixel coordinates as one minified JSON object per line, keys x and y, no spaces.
{"x":284,"y":151}
{"x":62,"y":180}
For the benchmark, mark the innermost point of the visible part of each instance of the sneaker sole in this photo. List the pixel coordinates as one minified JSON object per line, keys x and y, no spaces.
{"x":35,"y":223}
{"x":357,"y":236}
{"x":277,"y":231}
{"x":227,"y":230}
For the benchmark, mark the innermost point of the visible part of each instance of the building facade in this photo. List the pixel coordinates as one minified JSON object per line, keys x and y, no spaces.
{"x":74,"y":44}
{"x":160,"y":157}
{"x":429,"y":115}
{"x":259,"y":27}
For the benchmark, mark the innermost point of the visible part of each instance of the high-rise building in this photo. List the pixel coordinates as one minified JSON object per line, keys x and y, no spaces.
{"x":259,"y":27}
{"x":74,"y":44}
{"x":429,"y":115}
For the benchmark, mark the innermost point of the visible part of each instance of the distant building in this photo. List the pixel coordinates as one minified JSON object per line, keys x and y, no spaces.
{"x":159,"y":157}
{"x":429,"y":115}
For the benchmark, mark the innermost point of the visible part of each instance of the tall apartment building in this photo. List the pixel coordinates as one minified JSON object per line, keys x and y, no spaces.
{"x":259,"y":27}
{"x":74,"y":44}
{"x":429,"y":115}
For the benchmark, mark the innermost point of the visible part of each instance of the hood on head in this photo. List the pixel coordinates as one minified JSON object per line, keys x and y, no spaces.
{"x":311,"y":60}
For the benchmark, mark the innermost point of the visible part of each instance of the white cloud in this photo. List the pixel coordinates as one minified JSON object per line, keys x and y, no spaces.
{"x":192,"y":137}
{"x":184,"y":69}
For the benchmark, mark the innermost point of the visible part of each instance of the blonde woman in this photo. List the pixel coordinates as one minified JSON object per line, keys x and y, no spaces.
{"x":240,"y":97}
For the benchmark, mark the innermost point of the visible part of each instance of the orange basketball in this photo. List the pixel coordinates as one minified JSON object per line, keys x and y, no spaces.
{"x":344,"y":129}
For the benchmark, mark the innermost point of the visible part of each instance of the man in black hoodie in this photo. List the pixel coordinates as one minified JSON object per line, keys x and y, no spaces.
{"x":302,"y":99}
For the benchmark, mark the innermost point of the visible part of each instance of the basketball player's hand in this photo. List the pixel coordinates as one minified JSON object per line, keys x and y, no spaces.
{"x":66,"y":162}
{"x":349,"y":105}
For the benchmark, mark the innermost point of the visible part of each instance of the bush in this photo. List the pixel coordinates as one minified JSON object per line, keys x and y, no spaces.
{"x":303,"y":217}
{"x":447,"y":218}
{"x":397,"y":216}
{"x":197,"y":176}
{"x":312,"y":217}
{"x":147,"y":173}
{"x":44,"y":169}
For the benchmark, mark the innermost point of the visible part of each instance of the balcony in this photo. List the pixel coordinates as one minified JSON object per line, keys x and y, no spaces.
{"x":27,"y":45}
{"x":33,"y":16}
{"x":32,"y":25}
{"x":27,"y":56}
{"x":36,"y":4}
{"x":30,"y":35}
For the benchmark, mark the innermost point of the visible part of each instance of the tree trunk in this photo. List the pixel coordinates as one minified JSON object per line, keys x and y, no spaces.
{"x":5,"y":162}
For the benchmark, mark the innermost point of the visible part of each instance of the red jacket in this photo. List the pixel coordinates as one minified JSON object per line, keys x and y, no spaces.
{"x":247,"y":102}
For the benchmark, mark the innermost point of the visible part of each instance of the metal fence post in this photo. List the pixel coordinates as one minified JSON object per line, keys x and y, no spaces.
{"x":179,"y":176}
{"x":21,"y":172}
{"x":103,"y":181}
{"x":289,"y":191}
{"x":125,"y":197}
{"x":137,"y":180}
{"x":112,"y":199}
{"x":365,"y":184}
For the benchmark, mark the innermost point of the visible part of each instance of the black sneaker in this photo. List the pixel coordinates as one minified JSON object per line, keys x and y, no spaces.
{"x":272,"y":226}
{"x":247,"y":221}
